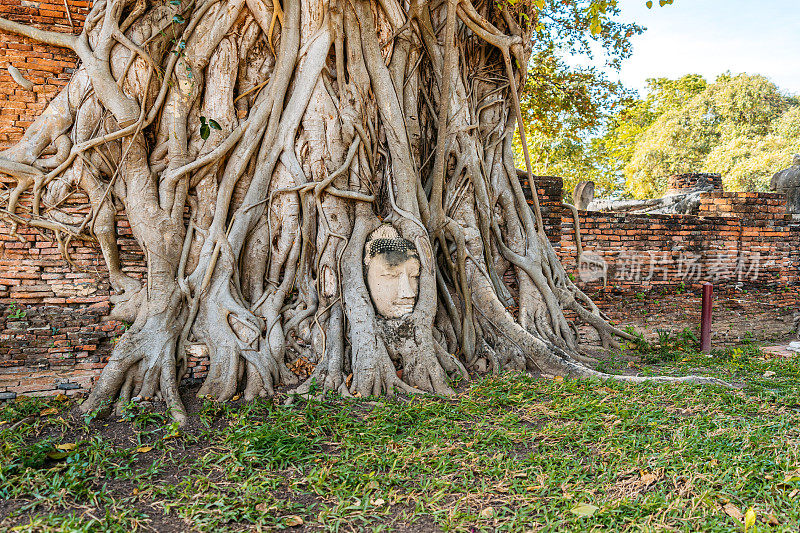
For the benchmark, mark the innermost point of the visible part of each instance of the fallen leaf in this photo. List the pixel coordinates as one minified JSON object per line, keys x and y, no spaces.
{"x":558,"y":379}
{"x":262,"y":507}
{"x":66,"y":446}
{"x":62,"y":397}
{"x":135,"y":492}
{"x":770,"y":519}
{"x":769,"y":374}
{"x":144,"y":449}
{"x":648,"y":479}
{"x":749,"y":519}
{"x":49,"y":411}
{"x":584,"y":509}
{"x":487,"y":513}
{"x":733,"y":511}
{"x":631,"y":364}
{"x":235,"y":398}
{"x":378,"y":502}
{"x":293,"y":520}
{"x":57,"y":455}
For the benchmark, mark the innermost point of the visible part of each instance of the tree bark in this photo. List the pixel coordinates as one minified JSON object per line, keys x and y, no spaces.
{"x":255,"y":146}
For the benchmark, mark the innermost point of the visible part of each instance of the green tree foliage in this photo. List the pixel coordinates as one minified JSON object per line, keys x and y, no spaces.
{"x":564,"y":105}
{"x":740,"y":126}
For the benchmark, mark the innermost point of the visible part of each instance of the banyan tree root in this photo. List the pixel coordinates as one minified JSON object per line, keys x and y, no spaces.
{"x":255,"y":146}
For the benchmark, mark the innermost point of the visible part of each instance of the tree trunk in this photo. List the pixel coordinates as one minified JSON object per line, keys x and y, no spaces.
{"x":256,"y":146}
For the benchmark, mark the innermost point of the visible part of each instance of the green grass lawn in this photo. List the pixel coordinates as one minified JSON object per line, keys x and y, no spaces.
{"x":509,"y":453}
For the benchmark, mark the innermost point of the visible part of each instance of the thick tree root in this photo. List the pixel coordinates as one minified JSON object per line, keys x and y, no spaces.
{"x":255,"y":146}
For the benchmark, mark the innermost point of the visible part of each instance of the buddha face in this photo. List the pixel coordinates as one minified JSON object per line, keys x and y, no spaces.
{"x":393,"y":270}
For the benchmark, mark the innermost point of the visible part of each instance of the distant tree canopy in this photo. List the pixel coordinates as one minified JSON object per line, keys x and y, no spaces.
{"x":740,"y":126}
{"x":581,"y":125}
{"x":563,"y":104}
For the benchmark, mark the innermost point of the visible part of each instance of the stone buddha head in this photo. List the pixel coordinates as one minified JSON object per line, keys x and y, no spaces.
{"x":393,"y":268}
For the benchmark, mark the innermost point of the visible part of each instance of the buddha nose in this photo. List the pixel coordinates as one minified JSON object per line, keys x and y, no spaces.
{"x":405,"y":290}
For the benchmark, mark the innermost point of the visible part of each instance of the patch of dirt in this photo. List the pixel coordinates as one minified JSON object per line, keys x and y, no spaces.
{"x":736,"y":315}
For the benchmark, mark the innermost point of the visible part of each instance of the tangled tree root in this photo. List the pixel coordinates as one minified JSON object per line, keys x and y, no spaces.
{"x":254,"y":146}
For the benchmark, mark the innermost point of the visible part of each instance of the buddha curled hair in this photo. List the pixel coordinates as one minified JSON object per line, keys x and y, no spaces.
{"x":387,"y":241}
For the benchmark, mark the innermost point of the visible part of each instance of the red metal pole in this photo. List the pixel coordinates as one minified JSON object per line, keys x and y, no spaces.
{"x":705,"y":320}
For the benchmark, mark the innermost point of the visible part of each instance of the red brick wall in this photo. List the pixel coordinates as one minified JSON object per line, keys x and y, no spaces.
{"x":750,"y":205}
{"x":51,"y":331}
{"x":55,"y":334}
{"x":54,"y":330}
{"x":550,"y":191}
{"x":678,"y":182}
{"x":49,"y":68}
{"x":754,"y":245}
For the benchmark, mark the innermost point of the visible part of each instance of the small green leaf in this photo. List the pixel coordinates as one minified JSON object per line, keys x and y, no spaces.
{"x":57,"y":456}
{"x":584,"y":509}
{"x":175,"y":2}
{"x":205,"y":131}
{"x":178,"y":19}
{"x":214,"y":124}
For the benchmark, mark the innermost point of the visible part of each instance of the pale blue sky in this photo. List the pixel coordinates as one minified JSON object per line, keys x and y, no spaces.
{"x":711,"y":36}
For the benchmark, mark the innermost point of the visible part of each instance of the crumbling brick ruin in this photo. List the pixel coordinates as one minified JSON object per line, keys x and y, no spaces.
{"x":694,"y":180}
{"x":55,"y":334}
